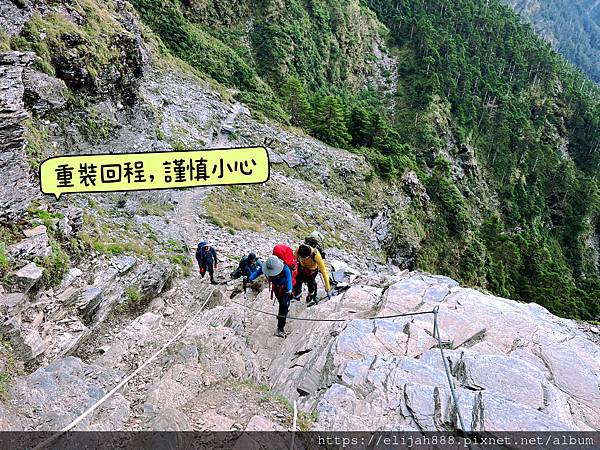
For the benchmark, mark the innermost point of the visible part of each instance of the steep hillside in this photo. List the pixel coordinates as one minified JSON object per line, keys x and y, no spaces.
{"x":459,"y":96}
{"x":460,"y":105}
{"x":93,"y":285}
{"x":572,"y":27}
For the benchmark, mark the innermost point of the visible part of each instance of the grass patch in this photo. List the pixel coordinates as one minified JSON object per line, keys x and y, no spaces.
{"x":255,"y":207}
{"x":55,"y":265}
{"x":224,"y":212}
{"x":36,"y":137}
{"x":45,"y":215}
{"x":4,"y":41}
{"x":179,"y":255}
{"x":116,"y":248}
{"x":110,"y":241}
{"x":130,"y":303}
{"x":9,"y":367}
{"x":94,"y":127}
{"x":5,"y":380}
{"x":98,"y":46}
{"x":305,"y":420}
{"x":133,"y":295}
{"x":4,"y":260}
{"x":155,"y":209}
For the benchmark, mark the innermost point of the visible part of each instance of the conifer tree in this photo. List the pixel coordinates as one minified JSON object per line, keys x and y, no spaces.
{"x":330,"y":123}
{"x":296,"y":103}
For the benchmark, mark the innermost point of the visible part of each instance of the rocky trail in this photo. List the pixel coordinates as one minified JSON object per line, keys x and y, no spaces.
{"x":130,"y":343}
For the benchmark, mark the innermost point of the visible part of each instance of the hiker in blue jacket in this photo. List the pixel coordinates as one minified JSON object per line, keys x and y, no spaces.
{"x":247,"y":266}
{"x":206,"y":255}
{"x":280,"y":277}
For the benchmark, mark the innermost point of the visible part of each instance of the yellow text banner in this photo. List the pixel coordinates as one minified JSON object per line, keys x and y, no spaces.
{"x":154,"y":170}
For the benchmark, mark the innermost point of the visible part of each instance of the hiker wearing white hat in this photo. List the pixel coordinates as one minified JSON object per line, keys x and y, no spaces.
{"x":280,"y":277}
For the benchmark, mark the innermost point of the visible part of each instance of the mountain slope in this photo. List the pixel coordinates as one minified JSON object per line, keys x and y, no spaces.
{"x":494,"y":138}
{"x":92,"y":285}
{"x":572,"y":27}
{"x":502,"y":132}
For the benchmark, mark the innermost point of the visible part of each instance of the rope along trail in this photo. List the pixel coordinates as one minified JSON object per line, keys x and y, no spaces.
{"x":436,"y":335}
{"x":92,"y":408}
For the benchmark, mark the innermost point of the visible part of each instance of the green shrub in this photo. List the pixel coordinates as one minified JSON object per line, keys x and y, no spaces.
{"x":55,"y":265}
{"x":4,"y":260}
{"x":133,"y":295}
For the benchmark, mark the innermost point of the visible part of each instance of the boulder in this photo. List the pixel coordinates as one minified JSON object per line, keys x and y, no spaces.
{"x":43,"y":93}
{"x":89,"y":299}
{"x":507,"y":376}
{"x":16,"y":189}
{"x":75,"y":216}
{"x":64,"y":227}
{"x":35,"y":246}
{"x":502,"y":414}
{"x":65,"y":337}
{"x":124,"y":263}
{"x":69,"y":278}
{"x":26,"y":277}
{"x":582,"y":385}
{"x":169,"y":419}
{"x":212,"y":421}
{"x":40,"y":229}
{"x":259,"y":423}
{"x":12,"y":304}
{"x":55,"y":395}
{"x":27,"y":344}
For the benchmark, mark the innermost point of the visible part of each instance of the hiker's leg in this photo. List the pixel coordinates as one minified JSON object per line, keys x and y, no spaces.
{"x":299,"y":281}
{"x":311,"y":283}
{"x":284,"y":306}
{"x":211,"y":273}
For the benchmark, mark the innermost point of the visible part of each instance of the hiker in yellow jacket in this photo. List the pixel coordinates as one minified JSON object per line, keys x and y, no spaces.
{"x":310,"y":264}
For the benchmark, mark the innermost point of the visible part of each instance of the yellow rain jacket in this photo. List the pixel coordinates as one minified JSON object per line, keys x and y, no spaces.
{"x":314,"y":262}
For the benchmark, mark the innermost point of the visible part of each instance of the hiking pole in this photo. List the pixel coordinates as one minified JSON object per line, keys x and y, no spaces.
{"x":244,"y":319}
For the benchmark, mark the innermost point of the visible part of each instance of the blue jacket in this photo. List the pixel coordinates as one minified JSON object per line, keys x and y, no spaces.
{"x":206,"y":259}
{"x":283,"y":279}
{"x":247,"y":271}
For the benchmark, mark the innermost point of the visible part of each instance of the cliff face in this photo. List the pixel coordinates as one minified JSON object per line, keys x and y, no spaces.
{"x":94,"y":284}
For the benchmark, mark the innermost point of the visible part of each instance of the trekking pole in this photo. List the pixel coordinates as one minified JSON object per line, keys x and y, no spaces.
{"x":244,"y":319}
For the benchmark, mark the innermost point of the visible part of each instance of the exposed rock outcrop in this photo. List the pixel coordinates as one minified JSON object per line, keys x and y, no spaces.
{"x":15,"y":190}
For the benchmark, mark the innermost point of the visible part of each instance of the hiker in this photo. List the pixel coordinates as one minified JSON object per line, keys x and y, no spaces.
{"x":310,"y":264}
{"x":247,"y":266}
{"x":280,"y":277}
{"x":206,"y":256}
{"x":285,"y":253}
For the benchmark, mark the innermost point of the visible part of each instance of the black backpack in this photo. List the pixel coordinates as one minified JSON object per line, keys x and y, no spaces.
{"x":313,"y":242}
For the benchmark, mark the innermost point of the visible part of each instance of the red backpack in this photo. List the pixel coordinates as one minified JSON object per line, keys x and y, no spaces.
{"x":286,"y":254}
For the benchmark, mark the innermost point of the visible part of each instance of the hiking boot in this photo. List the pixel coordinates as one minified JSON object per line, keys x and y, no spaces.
{"x":280,"y":333}
{"x":213,"y":282}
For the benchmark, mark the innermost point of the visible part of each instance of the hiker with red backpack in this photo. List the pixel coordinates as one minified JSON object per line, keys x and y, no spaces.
{"x":280,"y":277}
{"x":285,"y":253}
